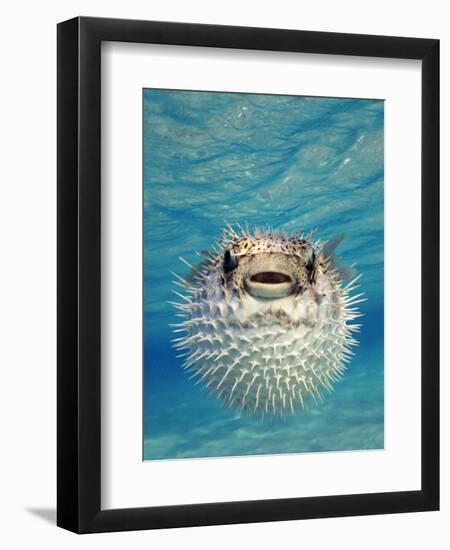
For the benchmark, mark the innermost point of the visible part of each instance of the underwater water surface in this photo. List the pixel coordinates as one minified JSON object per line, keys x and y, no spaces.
{"x":288,"y":162}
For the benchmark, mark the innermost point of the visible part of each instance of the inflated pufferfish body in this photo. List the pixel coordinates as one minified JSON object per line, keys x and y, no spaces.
{"x":267,"y":321}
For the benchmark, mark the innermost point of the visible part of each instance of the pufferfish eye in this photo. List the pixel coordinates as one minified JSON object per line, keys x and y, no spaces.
{"x":229,"y":261}
{"x":310,"y":260}
{"x":310,"y":265}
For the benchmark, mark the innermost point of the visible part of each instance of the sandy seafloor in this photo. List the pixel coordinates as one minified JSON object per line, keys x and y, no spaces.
{"x":292,"y":163}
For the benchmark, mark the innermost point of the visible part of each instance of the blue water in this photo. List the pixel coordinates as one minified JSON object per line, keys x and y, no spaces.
{"x":294,"y":163}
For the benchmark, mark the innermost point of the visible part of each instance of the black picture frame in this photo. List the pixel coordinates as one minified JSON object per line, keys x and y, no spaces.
{"x":79,"y":275}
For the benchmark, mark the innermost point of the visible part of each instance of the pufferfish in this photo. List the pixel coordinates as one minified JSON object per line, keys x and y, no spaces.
{"x":267,"y":321}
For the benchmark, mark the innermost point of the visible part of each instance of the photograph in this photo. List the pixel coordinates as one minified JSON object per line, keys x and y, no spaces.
{"x":263,"y":274}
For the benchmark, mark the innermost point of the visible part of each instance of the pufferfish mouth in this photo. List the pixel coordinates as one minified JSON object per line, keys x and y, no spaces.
{"x":270,"y":285}
{"x":270,"y":278}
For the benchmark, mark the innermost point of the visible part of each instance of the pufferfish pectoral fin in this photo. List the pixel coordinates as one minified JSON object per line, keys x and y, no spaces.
{"x":328,"y":253}
{"x":330,"y":246}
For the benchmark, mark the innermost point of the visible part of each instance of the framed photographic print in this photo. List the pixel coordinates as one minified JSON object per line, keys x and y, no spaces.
{"x":247,"y":274}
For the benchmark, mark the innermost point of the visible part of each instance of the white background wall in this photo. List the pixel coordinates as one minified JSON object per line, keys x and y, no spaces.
{"x":28,"y":270}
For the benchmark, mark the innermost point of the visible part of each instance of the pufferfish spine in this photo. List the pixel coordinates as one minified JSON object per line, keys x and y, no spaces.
{"x":267,"y":322}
